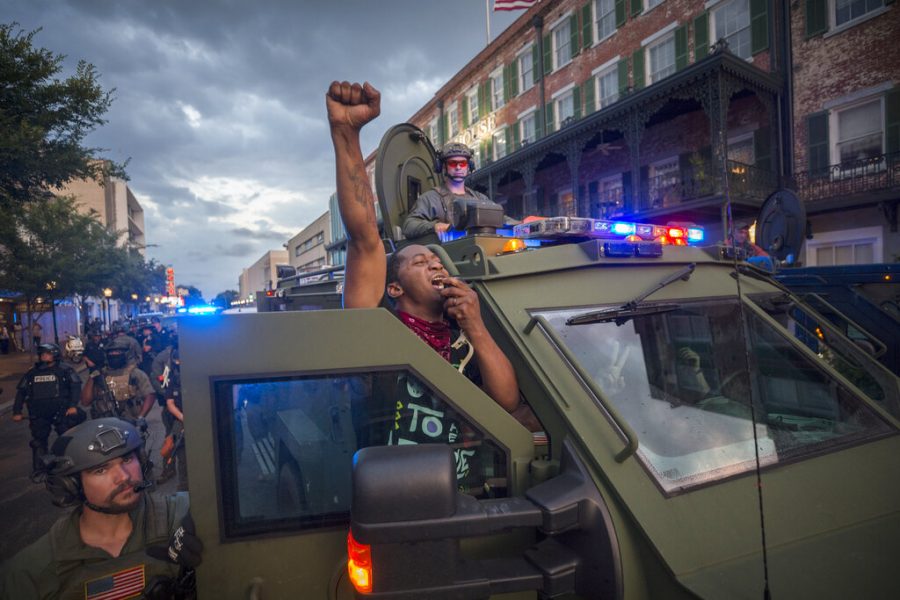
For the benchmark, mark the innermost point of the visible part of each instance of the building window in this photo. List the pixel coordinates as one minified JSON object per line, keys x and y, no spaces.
{"x":740,"y":149}
{"x":611,"y":194}
{"x":564,"y":109}
{"x":298,"y":250}
{"x":861,"y":246}
{"x":472,"y":101}
{"x":320,"y":238}
{"x":528,"y":132}
{"x":731,"y":22}
{"x":605,"y":10}
{"x":499,"y":139}
{"x":565,"y":204}
{"x":663,"y":181}
{"x":497,"y":99}
{"x":846,"y":11}
{"x":432,"y":130}
{"x":860,"y":132}
{"x":526,"y":69}
{"x":661,"y":58}
{"x":607,"y":87}
{"x":452,"y":120}
{"x":562,"y":44}
{"x":648,"y":4}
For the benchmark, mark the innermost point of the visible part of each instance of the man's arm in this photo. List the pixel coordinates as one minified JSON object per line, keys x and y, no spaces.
{"x":174,"y":410}
{"x":349,"y":108}
{"x":426,"y":216}
{"x":497,"y":375}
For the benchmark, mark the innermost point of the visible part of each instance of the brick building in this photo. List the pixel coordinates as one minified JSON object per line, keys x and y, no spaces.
{"x":635,"y":109}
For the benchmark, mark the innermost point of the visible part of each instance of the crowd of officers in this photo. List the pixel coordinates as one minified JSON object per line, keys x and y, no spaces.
{"x":122,"y":374}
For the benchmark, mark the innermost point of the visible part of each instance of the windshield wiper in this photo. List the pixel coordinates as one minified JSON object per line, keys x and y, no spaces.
{"x":634,"y":308}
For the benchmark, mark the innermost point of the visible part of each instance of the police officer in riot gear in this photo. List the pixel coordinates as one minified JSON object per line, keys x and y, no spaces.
{"x":432,"y":212}
{"x":119,"y":541}
{"x":51,"y":390}
{"x":119,"y":388}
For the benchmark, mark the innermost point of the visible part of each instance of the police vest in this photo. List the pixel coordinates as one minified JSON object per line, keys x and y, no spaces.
{"x":120,"y":385}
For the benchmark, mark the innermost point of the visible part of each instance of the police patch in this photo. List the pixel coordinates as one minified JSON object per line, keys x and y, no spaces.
{"x":116,"y":586}
{"x":44,"y":378}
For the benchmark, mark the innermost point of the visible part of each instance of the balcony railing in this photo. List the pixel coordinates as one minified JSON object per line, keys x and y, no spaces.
{"x":747,"y":183}
{"x":849,"y":178}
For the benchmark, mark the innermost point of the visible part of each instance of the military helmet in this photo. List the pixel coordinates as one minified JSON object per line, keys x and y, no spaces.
{"x":92,"y":443}
{"x":118,"y":327}
{"x":74,"y":347}
{"x":51,"y":349}
{"x":455,"y":149}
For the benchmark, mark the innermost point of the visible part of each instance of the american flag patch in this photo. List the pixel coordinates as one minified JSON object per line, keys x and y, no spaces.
{"x":117,"y":586}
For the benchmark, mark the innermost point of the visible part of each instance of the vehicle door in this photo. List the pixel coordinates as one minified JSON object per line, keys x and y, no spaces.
{"x":276,"y":405}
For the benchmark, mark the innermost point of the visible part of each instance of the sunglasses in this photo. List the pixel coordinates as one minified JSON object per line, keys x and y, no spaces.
{"x":456,"y":163}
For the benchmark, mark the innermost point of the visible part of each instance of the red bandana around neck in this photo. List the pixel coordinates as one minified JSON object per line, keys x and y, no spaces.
{"x":435,"y":334}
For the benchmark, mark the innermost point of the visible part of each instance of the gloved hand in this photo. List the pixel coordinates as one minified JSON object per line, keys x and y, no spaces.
{"x":184,"y":548}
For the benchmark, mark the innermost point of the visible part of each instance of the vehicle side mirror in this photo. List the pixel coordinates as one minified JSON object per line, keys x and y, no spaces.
{"x":408,"y":520}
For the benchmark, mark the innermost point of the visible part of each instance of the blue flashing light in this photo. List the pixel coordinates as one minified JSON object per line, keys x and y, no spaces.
{"x":181,"y":310}
{"x":202,"y":309}
{"x":623,"y":228}
{"x":695,"y":234}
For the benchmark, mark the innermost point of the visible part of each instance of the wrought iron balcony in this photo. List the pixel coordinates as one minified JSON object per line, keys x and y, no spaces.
{"x":873,"y":178}
{"x":747,"y":183}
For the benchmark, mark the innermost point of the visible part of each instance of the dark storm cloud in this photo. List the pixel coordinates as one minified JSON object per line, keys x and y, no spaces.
{"x":220,"y":104}
{"x":259,"y":235}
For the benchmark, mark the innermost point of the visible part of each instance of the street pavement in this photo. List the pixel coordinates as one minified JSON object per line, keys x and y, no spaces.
{"x":26,"y":512}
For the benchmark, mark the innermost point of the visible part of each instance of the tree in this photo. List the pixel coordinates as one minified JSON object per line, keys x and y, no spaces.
{"x":44,"y":120}
{"x":192,"y":296}
{"x":224,"y":299}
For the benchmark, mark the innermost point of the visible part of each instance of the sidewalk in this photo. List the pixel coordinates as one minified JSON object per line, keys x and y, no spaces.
{"x":12,"y":367}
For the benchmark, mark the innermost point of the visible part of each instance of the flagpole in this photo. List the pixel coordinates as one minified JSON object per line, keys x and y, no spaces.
{"x":487,"y":21}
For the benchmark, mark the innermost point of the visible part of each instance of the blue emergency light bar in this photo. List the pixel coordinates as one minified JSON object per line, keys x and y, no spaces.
{"x":203,"y":309}
{"x":560,"y":228}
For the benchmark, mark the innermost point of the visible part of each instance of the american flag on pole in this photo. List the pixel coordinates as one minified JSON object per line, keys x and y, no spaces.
{"x":117,"y":586}
{"x":513,"y":4}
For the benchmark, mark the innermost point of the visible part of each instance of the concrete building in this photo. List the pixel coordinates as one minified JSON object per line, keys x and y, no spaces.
{"x":307,"y":251}
{"x":115,"y":205}
{"x":663,"y":110}
{"x":261,"y":275}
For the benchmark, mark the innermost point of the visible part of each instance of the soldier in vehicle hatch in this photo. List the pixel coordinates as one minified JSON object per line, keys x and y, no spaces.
{"x":441,"y":310}
{"x":431,"y":214}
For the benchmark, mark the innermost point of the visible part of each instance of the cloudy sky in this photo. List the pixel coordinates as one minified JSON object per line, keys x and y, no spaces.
{"x":219,"y":105}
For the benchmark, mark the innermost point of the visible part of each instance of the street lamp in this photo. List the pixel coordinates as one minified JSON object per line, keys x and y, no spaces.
{"x":107,"y":294}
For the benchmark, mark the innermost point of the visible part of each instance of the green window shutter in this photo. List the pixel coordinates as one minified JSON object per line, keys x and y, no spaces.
{"x":506,"y":94}
{"x":621,"y":13}
{"x":535,"y":64}
{"x":637,"y":66}
{"x":701,"y":36}
{"x":483,"y":101}
{"x":762,"y":149}
{"x":817,"y":143}
{"x":622,"y":68}
{"x":445,"y":127}
{"x":465,"y":111}
{"x":892,"y":121}
{"x":548,"y":55}
{"x":548,"y":118}
{"x":816,"y":17}
{"x":759,"y":25}
{"x":637,"y":7}
{"x":509,"y":140}
{"x":538,"y":126}
{"x":589,"y":92}
{"x":587,"y":26}
{"x":681,"y":47}
{"x":576,"y":102}
{"x":514,"y":78}
{"x":573,"y":34}
{"x":489,"y":149}
{"x":516,"y":136}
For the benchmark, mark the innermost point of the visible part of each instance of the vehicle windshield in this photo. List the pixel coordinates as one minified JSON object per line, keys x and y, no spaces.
{"x":683,"y":381}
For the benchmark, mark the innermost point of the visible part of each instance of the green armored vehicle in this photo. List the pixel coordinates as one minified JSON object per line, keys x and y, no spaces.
{"x":689,"y":441}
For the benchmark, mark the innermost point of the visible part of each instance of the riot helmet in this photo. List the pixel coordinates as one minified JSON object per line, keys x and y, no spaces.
{"x":454,"y":149}
{"x":116,"y":356}
{"x":74,"y":348}
{"x":51,"y":349}
{"x":86,"y":446}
